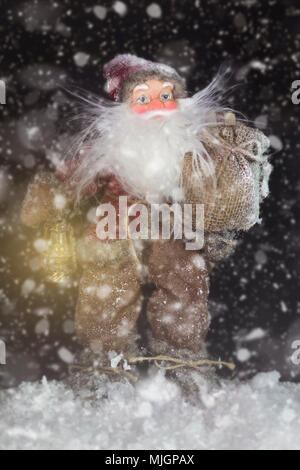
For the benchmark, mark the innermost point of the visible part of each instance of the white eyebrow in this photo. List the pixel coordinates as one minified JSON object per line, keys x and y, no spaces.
{"x":141,"y":87}
{"x":168,"y":84}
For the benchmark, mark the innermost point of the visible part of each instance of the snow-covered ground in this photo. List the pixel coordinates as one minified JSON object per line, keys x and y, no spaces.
{"x":260,"y":414}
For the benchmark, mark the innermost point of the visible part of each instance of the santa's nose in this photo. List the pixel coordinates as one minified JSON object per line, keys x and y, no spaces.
{"x":154,"y":105}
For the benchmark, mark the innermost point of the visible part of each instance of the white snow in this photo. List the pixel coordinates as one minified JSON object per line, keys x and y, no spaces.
{"x":260,"y":414}
{"x":243,"y":355}
{"x":199,"y":261}
{"x":43,"y":76}
{"x":276,"y":142}
{"x":100,"y":12}
{"x":27,"y":287}
{"x":255,"y":334}
{"x":258,"y":65}
{"x":40,"y":244}
{"x":283,"y":306}
{"x":295,"y":358}
{"x":120,"y":8}
{"x":59,"y":202}
{"x":68,"y":327}
{"x":115,"y":360}
{"x":260,"y":257}
{"x":104,"y":291}
{"x":81,"y":59}
{"x":91,"y":215}
{"x":261,"y":121}
{"x":154,"y":10}
{"x":65,"y":355}
{"x":43,"y":312}
{"x":42,"y":327}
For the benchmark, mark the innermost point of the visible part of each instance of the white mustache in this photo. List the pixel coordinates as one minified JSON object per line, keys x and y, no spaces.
{"x":158,"y":113}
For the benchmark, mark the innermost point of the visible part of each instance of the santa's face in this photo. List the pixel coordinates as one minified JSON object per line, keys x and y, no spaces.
{"x":153,"y":95}
{"x":146,"y":154}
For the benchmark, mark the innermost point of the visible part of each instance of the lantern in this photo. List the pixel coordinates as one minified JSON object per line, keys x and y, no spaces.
{"x":59,"y":259}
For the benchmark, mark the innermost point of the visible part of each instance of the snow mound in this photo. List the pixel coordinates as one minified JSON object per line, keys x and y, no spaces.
{"x":260,"y":414}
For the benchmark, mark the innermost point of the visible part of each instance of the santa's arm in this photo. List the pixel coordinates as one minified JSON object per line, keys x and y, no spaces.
{"x":44,"y":197}
{"x":49,"y":194}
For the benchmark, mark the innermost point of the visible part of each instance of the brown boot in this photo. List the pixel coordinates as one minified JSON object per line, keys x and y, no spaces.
{"x":94,"y":376}
{"x":177,"y":364}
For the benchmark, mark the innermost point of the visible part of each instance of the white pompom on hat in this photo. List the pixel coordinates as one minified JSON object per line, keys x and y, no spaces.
{"x":125,"y":71}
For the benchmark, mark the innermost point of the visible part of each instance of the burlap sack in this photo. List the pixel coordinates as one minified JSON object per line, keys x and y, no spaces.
{"x":231,"y":201}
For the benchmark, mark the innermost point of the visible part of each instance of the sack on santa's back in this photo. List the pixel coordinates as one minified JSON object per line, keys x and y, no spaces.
{"x":232,"y":197}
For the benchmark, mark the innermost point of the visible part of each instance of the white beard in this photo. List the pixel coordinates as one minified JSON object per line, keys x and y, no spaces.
{"x":146,"y":155}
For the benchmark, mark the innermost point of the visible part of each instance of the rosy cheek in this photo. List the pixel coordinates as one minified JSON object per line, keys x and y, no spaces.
{"x":139,"y":108}
{"x":170,"y":105}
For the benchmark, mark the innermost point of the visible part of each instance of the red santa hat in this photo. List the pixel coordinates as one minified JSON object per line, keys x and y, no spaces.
{"x":125,"y":71}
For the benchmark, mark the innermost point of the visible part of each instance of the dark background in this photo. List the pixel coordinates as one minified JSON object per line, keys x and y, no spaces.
{"x":257,"y":290}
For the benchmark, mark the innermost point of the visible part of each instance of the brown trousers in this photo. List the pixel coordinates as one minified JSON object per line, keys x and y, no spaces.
{"x":110,"y":300}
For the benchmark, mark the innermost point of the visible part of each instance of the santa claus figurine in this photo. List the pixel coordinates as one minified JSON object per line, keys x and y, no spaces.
{"x":153,"y":144}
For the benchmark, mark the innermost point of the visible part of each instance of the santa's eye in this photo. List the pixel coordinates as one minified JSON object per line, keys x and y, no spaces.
{"x":143,"y":99}
{"x":166,"y":96}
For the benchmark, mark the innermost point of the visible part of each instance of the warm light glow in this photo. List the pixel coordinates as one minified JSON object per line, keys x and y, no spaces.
{"x":59,"y":260}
